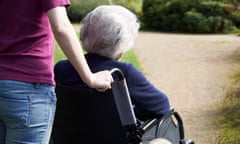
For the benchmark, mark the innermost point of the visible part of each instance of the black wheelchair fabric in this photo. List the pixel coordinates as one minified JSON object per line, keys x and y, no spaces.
{"x":86,"y":115}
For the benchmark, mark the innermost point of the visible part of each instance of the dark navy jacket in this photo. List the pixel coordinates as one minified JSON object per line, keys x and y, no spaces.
{"x":148,"y":100}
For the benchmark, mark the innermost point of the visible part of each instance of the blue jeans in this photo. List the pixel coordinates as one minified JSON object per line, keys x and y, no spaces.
{"x":26,"y":112}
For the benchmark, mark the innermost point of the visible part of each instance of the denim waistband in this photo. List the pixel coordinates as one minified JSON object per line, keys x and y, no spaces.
{"x":19,"y":84}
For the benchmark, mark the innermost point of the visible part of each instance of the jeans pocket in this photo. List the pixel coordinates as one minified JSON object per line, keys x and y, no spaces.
{"x":14,"y":110}
{"x":53,"y":97}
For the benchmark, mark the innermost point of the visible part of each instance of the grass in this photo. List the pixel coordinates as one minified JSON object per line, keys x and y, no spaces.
{"x":130,"y":57}
{"x":229,"y":115}
{"x":58,"y":54}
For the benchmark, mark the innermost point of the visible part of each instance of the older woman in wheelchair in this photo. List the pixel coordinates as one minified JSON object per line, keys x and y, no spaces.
{"x":134,"y":111}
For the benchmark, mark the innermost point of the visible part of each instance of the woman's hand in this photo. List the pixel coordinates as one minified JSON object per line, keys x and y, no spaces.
{"x":101,"y":80}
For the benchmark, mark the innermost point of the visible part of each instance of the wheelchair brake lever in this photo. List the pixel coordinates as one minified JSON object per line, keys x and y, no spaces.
{"x":135,"y":133}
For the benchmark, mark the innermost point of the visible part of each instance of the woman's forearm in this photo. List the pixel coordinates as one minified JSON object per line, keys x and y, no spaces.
{"x":68,"y":41}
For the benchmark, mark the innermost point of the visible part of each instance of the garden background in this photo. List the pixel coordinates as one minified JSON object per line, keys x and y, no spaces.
{"x":198,"y":17}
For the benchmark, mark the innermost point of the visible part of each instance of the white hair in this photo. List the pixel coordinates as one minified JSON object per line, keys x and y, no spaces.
{"x":109,"y":30}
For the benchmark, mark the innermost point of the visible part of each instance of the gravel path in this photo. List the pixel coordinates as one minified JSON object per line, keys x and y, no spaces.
{"x":193,"y":71}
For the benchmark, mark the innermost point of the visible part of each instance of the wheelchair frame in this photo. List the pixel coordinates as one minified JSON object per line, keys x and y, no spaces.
{"x":169,"y":127}
{"x":135,"y":130}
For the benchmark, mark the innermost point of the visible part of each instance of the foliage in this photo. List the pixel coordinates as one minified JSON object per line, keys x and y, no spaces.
{"x":133,"y":5}
{"x":79,"y":8}
{"x":191,"y":16}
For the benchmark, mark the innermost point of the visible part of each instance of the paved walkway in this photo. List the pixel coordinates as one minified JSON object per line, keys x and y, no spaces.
{"x":193,"y":71}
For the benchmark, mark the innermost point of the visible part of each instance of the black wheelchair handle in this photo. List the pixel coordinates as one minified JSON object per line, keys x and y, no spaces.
{"x":118,"y":73}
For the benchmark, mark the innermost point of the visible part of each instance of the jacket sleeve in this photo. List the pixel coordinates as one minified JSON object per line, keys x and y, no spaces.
{"x":148,"y":100}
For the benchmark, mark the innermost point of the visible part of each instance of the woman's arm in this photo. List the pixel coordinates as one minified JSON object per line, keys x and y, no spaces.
{"x":69,"y":43}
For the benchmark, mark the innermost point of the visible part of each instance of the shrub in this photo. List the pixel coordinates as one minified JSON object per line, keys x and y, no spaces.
{"x":193,"y":22}
{"x":79,"y":8}
{"x":214,"y":8}
{"x":133,"y":5}
{"x":190,"y":16}
{"x":235,"y":16}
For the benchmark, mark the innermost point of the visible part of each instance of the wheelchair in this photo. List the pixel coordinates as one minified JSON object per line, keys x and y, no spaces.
{"x":88,"y":116}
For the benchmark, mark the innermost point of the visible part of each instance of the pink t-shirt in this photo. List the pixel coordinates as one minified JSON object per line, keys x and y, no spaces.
{"x":26,"y":40}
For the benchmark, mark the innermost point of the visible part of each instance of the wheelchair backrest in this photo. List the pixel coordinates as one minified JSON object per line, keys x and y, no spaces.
{"x":87,"y":114}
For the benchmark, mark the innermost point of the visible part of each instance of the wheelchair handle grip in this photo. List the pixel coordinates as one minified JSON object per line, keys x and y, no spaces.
{"x":122,"y":98}
{"x":118,"y":73}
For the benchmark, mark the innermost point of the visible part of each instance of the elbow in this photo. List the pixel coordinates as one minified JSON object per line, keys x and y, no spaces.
{"x":60,"y":29}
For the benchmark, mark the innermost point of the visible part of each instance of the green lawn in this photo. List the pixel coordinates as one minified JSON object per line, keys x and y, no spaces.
{"x":228,"y":117}
{"x":130,"y":56}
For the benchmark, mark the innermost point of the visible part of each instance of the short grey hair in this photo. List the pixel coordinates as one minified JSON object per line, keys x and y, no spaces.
{"x":109,"y":30}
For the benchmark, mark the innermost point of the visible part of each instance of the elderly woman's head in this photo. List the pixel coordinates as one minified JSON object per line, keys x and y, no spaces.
{"x":109,"y":30}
